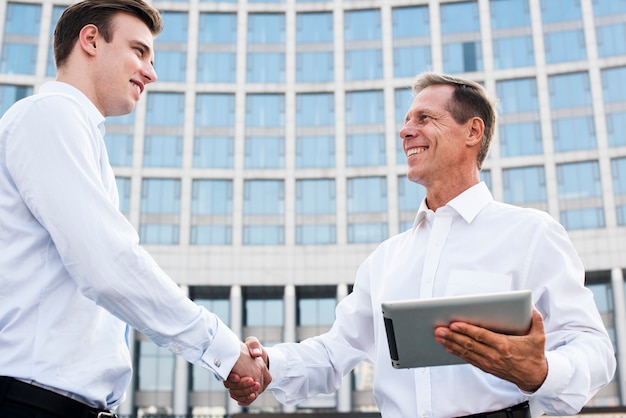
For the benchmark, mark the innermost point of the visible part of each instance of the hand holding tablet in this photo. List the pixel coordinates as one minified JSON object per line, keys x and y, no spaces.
{"x":410,"y":324}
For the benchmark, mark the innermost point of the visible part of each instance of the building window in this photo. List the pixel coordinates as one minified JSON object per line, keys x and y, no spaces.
{"x":314,"y":47}
{"x":525,"y":186}
{"x":264,"y":313}
{"x":170,"y":57}
{"x":618,"y":170}
{"x":211,"y":212}
{"x":266,"y":48}
{"x":315,"y":211}
{"x":263,"y":210}
{"x":160,"y":211}
{"x":411,"y":41}
{"x":123,"y":191}
{"x":367,"y":209}
{"x":51,"y":68}
{"x":363,"y":45}
{"x":614,"y":96}
{"x":365,"y":130}
{"x":20,"y":40}
{"x":460,"y":31}
{"x":217,"y":48}
{"x":316,"y":309}
{"x":163,"y":144}
{"x":410,"y":196}
{"x":155,"y":369}
{"x":214,"y":131}
{"x":580,"y":195}
{"x":119,"y":139}
{"x":10,"y":94}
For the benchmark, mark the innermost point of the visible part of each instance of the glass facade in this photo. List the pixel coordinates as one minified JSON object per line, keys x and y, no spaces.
{"x":265,"y":164}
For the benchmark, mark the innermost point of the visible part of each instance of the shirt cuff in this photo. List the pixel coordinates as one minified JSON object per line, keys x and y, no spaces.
{"x":223,"y":352}
{"x":560,"y":372}
{"x":277,"y":365}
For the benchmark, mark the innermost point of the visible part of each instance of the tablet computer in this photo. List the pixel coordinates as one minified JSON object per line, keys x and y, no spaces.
{"x":410,"y":324}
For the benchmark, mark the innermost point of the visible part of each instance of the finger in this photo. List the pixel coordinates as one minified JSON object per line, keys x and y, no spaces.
{"x":254,"y":346}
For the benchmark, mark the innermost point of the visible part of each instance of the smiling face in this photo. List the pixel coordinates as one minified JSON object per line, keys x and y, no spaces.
{"x":441,"y":153}
{"x":123,"y":66}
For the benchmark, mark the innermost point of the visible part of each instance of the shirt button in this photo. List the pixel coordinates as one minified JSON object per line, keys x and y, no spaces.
{"x":217,"y":362}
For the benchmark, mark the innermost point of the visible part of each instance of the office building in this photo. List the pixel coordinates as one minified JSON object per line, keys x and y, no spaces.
{"x":265,"y":164}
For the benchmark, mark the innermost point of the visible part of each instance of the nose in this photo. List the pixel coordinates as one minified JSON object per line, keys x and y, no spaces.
{"x":149,"y":74}
{"x":407,"y":131}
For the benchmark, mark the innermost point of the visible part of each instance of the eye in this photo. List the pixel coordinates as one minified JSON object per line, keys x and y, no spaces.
{"x":424,"y":117}
{"x":140,"y":51}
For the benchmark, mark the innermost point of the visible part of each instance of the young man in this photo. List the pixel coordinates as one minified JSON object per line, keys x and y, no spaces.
{"x":72,"y":272}
{"x":462,"y":242}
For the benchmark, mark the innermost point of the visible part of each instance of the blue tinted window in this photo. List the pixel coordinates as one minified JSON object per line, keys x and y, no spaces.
{"x":265,"y":110}
{"x":367,"y":195}
{"x":569,"y":90}
{"x":212,"y":197}
{"x":10,"y":94}
{"x":315,"y":66}
{"x":518,"y":96}
{"x":514,"y":52}
{"x":170,"y":65}
{"x":215,"y":109}
{"x":265,"y":312}
{"x":264,"y":152}
{"x":119,"y":149}
{"x":359,"y":233}
{"x":315,"y":197}
{"x":314,"y":27}
{"x":618,"y":169}
{"x":509,"y":13}
{"x":403,"y":98}
{"x":459,"y":17}
{"x":616,"y":128}
{"x":123,"y":191}
{"x":315,"y":109}
{"x":485,"y":175}
{"x":264,"y":197}
{"x":365,"y":107}
{"x":410,"y":194}
{"x":560,"y":10}
{"x":56,"y":13}
{"x":213,"y":152}
{"x":18,"y":58}
{"x":263,"y":234}
{"x":155,"y":368}
{"x":163,"y":151}
{"x":579,"y":180}
{"x":165,"y":109}
{"x":362,"y":25}
{"x":564,"y":46}
{"x":524,"y":185}
{"x":520,"y":139}
{"x":316,"y":309}
{"x":462,"y":57}
{"x":210,"y":234}
{"x":585,"y":218}
{"x":614,"y":85}
{"x":217,"y":28}
{"x":610,"y":40}
{"x":265,"y":67}
{"x":174,"y":28}
{"x":22,"y":19}
{"x":365,"y":150}
{"x":216,"y":67}
{"x":266,"y":28}
{"x":363,"y":64}
{"x":410,"y":22}
{"x":608,"y":7}
{"x":315,"y":151}
{"x":316,"y":234}
{"x":411,"y":60}
{"x":160,"y":197}
{"x":573,"y":134}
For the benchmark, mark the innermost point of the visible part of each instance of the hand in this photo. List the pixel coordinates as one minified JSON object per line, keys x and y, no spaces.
{"x":517,"y":359}
{"x":249,"y":377}
{"x":245,"y":389}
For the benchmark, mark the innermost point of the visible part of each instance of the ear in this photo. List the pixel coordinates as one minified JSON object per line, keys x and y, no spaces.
{"x":475,"y":131}
{"x":88,"y":38}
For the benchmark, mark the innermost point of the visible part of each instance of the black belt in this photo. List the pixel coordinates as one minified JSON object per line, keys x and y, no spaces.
{"x":521,"y":410}
{"x":46,"y":400}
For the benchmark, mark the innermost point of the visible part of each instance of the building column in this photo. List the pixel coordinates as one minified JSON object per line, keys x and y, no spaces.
{"x":617,"y":282}
{"x":289,"y":327}
{"x":344,"y":394}
{"x":180,"y":397}
{"x":236,"y":324}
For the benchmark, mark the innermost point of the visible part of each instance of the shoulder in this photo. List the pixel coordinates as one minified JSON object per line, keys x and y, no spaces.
{"x":517,"y":215}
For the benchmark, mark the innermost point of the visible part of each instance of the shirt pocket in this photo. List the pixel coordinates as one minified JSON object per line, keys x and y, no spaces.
{"x":469,"y":282}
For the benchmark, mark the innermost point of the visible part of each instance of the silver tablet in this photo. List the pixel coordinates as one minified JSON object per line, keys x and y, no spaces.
{"x":410,"y":324}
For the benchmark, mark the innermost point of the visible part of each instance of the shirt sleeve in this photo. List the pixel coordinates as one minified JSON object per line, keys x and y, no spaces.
{"x":317,"y":365}
{"x":57,"y":169}
{"x":579,"y":352}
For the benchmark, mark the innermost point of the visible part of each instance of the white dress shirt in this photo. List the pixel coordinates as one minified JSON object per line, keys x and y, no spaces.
{"x":472,"y":245}
{"x":72,"y":273}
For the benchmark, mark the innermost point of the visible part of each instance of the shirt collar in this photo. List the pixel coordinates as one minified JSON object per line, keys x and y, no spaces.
{"x":468,"y":204}
{"x":63,"y":88}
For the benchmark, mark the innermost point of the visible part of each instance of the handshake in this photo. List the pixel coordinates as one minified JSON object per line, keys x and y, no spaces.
{"x":250,"y":376}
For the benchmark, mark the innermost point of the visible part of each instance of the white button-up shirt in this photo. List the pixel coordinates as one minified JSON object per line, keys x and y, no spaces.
{"x":72,"y":273}
{"x":472,"y":245}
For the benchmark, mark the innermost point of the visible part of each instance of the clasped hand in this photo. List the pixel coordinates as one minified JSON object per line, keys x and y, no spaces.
{"x":250,"y":376}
